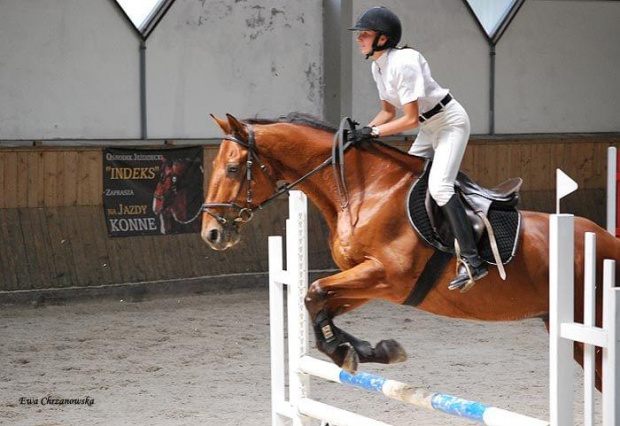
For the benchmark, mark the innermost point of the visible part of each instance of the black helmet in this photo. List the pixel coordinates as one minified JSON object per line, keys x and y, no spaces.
{"x":383,"y":21}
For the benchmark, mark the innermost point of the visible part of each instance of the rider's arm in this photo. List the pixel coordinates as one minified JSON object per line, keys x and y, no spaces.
{"x":408,"y":121}
{"x":387,"y":114}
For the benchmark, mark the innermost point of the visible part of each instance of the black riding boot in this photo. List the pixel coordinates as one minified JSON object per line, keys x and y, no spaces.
{"x":461,"y":227}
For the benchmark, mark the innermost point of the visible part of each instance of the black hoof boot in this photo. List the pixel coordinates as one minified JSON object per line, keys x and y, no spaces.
{"x":466,"y":279}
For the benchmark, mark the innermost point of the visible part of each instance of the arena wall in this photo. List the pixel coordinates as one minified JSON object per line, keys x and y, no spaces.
{"x":53,"y":235}
{"x":71,"y":69}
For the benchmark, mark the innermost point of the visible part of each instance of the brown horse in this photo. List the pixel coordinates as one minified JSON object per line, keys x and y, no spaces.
{"x":371,"y":239}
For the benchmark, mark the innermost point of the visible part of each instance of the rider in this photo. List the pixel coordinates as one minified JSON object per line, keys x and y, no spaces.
{"x":404,"y":81}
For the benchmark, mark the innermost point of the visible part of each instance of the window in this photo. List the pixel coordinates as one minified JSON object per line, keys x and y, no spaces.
{"x":492,"y":13}
{"x":144,"y":13}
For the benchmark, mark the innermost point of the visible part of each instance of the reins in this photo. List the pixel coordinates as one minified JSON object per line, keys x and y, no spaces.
{"x":337,"y":160}
{"x":246,"y":213}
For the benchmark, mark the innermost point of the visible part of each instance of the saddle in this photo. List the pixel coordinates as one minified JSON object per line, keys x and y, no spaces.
{"x":492,"y":212}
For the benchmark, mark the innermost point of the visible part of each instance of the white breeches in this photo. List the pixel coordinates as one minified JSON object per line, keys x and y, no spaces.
{"x":444,"y":139}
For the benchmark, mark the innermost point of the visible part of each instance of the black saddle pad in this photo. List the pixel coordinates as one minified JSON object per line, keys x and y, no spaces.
{"x":506,"y":222}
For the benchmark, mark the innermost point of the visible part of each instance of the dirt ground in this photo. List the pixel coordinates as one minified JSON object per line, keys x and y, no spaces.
{"x":204,"y":360}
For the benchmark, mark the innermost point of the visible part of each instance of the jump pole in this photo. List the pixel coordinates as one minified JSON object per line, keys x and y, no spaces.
{"x":300,"y":407}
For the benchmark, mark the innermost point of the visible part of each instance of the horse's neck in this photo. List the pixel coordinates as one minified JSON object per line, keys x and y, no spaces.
{"x":301,"y":151}
{"x":296,"y":153}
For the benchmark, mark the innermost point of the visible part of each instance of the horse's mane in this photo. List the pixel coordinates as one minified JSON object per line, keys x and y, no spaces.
{"x":309,"y":120}
{"x":300,"y":118}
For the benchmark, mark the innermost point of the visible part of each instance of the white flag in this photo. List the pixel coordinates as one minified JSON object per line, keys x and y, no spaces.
{"x":564,"y":186}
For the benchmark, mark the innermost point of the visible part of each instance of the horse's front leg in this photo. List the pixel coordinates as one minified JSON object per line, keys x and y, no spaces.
{"x":340,"y":293}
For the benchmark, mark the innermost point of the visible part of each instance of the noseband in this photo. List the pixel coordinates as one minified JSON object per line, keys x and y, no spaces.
{"x":245,"y":214}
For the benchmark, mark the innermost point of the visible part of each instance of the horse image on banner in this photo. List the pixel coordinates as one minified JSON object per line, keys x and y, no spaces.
{"x":175,"y":200}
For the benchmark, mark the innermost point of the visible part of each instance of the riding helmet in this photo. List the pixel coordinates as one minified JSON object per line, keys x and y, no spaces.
{"x":383,"y":21}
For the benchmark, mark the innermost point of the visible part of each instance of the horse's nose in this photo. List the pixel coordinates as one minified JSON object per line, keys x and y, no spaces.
{"x":212,"y":235}
{"x":219,"y":237}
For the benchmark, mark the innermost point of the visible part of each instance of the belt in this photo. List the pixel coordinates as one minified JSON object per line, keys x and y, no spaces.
{"x":436,"y":109}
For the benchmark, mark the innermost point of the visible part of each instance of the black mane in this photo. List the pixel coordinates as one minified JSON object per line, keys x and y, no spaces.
{"x":296,"y":118}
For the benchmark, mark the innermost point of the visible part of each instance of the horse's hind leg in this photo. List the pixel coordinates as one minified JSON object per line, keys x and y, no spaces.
{"x":341,"y":293}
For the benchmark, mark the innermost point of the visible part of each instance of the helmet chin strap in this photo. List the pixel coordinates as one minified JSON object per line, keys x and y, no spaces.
{"x":375,"y":46}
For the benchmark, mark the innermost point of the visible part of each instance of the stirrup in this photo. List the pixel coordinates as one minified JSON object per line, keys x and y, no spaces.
{"x":464,"y":288}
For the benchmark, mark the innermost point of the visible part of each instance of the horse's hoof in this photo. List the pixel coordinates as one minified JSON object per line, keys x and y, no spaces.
{"x":349,"y":358}
{"x":391,"y":351}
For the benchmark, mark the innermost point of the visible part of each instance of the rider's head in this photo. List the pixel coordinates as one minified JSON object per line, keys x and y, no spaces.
{"x":382,"y":25}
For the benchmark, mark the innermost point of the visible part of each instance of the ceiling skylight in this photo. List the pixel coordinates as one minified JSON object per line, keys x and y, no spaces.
{"x":491,"y":13}
{"x":140,"y":12}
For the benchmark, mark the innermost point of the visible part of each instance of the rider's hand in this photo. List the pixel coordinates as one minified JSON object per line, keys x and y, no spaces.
{"x":361,"y":135}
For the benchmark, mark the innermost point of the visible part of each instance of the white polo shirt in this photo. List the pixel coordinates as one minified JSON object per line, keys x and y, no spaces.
{"x":403,"y":76}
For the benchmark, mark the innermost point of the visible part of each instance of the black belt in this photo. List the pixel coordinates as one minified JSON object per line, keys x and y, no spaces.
{"x":436,"y":109}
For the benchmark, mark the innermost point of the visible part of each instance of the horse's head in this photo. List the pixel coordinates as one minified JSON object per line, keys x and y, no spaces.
{"x":241,"y":179}
{"x":167,"y":187}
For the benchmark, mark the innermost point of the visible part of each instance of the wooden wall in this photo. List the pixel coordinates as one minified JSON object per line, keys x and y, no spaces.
{"x":536,"y":159}
{"x":61,"y":177}
{"x":53,"y":233}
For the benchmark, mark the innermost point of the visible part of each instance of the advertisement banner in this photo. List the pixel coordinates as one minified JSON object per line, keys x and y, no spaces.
{"x":152,"y":191}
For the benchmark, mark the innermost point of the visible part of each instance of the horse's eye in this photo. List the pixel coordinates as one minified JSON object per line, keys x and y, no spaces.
{"x":232,"y":169}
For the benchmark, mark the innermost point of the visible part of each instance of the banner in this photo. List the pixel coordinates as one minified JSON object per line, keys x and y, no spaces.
{"x":152,"y":192}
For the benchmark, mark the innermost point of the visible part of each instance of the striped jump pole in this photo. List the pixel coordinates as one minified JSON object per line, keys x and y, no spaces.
{"x":417,"y":396}
{"x":299,"y":407}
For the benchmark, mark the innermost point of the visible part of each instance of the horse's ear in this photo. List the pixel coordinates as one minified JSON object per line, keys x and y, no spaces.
{"x":222,"y":123}
{"x":236,"y":127}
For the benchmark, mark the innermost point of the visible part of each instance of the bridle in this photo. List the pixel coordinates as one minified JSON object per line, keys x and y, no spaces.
{"x":246,"y":213}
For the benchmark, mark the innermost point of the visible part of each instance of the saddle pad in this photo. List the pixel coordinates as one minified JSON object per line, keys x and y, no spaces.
{"x":506,"y":225}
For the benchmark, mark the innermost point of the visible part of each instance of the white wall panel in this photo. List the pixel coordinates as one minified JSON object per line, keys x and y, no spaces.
{"x":557,"y":68}
{"x":68,"y":69}
{"x":247,"y":58}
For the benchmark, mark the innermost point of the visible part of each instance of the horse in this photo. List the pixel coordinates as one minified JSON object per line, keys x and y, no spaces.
{"x":173,"y":200}
{"x":372,"y":242}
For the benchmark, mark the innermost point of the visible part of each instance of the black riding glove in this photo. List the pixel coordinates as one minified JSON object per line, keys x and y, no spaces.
{"x":360,"y":135}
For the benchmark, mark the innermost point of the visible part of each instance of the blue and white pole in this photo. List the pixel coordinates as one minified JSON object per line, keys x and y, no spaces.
{"x":419,"y":397}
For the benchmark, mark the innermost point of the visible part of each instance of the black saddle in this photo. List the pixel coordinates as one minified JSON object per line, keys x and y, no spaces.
{"x":493,"y":214}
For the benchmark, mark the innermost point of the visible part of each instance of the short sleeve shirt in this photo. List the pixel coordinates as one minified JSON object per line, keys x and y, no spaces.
{"x":403,"y":76}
